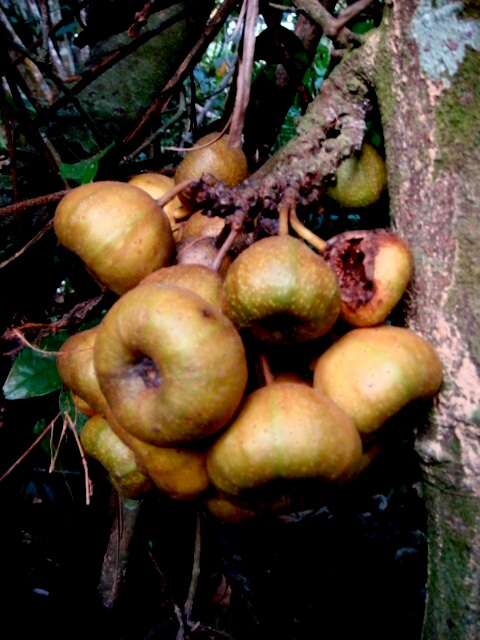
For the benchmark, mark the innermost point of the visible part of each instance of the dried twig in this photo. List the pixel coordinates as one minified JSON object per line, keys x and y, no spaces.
{"x":31,"y":203}
{"x":212,"y":27}
{"x":334,"y":27}
{"x":30,"y":243}
{"x":47,"y":429}
{"x":88,"y":483}
{"x":244,"y":77}
{"x":188,"y":607}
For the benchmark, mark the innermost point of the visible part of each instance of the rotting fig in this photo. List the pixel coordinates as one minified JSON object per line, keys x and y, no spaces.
{"x":373,"y":270}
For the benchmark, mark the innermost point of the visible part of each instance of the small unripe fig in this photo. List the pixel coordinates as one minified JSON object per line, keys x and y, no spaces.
{"x":157,"y":185}
{"x":195,"y":277}
{"x":372,"y":373}
{"x":282,"y":291}
{"x":77,"y":370}
{"x":101,"y":443}
{"x":118,"y":230}
{"x":373,"y":269}
{"x":171,"y":366}
{"x":217,"y":159}
{"x":284,"y":432}
{"x":360,"y":179}
{"x":202,"y":226}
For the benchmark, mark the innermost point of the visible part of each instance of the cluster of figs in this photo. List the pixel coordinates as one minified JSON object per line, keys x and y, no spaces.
{"x":169,"y":377}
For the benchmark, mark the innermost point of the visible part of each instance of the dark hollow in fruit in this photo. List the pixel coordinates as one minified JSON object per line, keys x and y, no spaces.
{"x":373,"y":269}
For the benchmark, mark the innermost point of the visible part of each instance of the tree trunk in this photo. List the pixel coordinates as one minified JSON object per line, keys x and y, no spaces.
{"x":428,"y":88}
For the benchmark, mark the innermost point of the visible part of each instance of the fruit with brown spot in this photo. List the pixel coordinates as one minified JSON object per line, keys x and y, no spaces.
{"x":171,"y":366}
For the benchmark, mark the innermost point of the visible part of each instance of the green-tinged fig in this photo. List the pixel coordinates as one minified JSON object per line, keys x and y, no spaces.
{"x":218,"y":159}
{"x":171,"y":366}
{"x":77,"y":370}
{"x":101,"y":443}
{"x":195,"y":277}
{"x":157,"y":185}
{"x":282,"y":291}
{"x":118,"y":230}
{"x":373,"y":269}
{"x":372,"y":373}
{"x":179,"y":473}
{"x":284,"y":432}
{"x":360,"y":179}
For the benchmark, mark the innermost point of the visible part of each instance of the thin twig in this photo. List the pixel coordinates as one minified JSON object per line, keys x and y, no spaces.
{"x":244,"y":78}
{"x":88,"y":483}
{"x":51,"y":468}
{"x":30,"y":448}
{"x":197,"y":147}
{"x":170,"y":195}
{"x":31,"y":203}
{"x":30,"y":243}
{"x":212,"y":27}
{"x":188,"y":608}
{"x":237,"y":224}
{"x":304,"y":233}
{"x":266,"y":371}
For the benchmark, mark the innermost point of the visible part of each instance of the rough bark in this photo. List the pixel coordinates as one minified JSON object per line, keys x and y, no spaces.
{"x":428,"y":87}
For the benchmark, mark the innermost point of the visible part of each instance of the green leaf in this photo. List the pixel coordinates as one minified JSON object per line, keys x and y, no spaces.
{"x":66,"y":405}
{"x":85,"y":170}
{"x":35,"y":374}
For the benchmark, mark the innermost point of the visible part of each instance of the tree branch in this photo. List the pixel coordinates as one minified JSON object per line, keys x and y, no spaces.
{"x":195,"y":53}
{"x":330,"y":131}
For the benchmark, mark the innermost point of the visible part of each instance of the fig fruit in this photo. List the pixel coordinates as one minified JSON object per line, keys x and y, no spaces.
{"x":282,"y":291}
{"x":284,"y":432}
{"x":83,"y":406}
{"x":157,"y":185}
{"x":77,"y":370}
{"x":201,"y":226}
{"x":217,"y":159}
{"x":195,"y":277}
{"x":118,"y":230}
{"x":201,"y":251}
{"x":373,"y":269}
{"x":101,"y":443}
{"x":360,"y":179}
{"x":181,"y":474}
{"x":171,"y":366}
{"x":374,"y":372}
